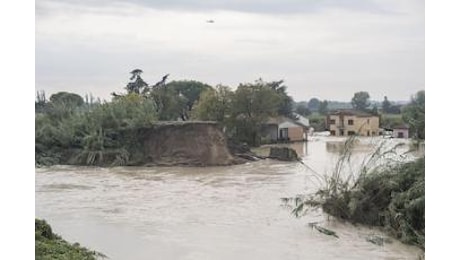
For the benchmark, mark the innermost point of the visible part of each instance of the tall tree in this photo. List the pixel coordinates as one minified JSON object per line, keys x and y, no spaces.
{"x":286,"y":103}
{"x":302,"y":109}
{"x":360,"y":101}
{"x":323,"y":107}
{"x":251,"y":106}
{"x":386,"y":105}
{"x":313,"y":104}
{"x":190,"y":90}
{"x":169,"y":104}
{"x":214,"y":104}
{"x":137,"y":84}
{"x":374,"y":111}
{"x":414,"y":115}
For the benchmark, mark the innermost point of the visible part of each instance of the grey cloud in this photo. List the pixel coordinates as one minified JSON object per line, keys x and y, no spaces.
{"x":250,"y":6}
{"x":329,"y":55}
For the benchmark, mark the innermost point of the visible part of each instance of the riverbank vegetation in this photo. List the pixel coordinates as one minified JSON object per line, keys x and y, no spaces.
{"x":49,"y":246}
{"x":70,"y":129}
{"x":382,"y":192}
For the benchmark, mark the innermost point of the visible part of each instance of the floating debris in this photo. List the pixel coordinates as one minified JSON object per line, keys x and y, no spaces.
{"x":377,"y":240}
{"x":323,"y":230}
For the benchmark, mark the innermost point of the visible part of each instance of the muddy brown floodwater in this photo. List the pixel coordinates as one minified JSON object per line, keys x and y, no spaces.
{"x":232,"y":212}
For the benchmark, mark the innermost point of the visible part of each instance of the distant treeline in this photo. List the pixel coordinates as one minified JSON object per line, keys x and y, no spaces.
{"x":392,"y":114}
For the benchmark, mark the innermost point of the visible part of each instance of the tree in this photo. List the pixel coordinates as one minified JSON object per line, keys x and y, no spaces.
{"x":214,"y":104}
{"x":40,"y":102}
{"x":67,"y":98}
{"x":374,"y":111}
{"x":394,"y":109}
{"x":190,"y":90}
{"x":251,"y":106}
{"x":137,"y":84}
{"x":169,"y":104}
{"x":302,"y":109}
{"x":323,"y":107}
{"x":414,"y":115}
{"x":63,"y":104}
{"x":286,"y":104}
{"x":386,"y":105}
{"x":313,"y":104}
{"x":360,"y":101}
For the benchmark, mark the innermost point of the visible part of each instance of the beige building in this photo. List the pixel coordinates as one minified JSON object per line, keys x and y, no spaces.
{"x":282,"y":129}
{"x":352,"y":122}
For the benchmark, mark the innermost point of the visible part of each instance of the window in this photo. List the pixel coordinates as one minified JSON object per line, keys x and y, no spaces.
{"x":368,"y":133}
{"x":333,"y":132}
{"x":283,"y":134}
{"x":350,"y":133}
{"x":332,"y":121}
{"x":350,"y":121}
{"x":368,"y":121}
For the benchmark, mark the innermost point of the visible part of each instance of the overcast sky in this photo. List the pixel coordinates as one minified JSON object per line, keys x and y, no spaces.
{"x":328,"y":49}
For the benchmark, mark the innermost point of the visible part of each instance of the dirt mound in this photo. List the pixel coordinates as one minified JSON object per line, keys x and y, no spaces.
{"x":283,"y":154}
{"x":186,"y":143}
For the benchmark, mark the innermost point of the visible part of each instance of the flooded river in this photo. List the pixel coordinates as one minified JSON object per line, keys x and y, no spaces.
{"x":202,"y":213}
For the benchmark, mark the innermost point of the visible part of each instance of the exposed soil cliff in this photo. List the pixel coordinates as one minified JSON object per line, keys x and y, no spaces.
{"x":186,"y":143}
{"x":192,"y":143}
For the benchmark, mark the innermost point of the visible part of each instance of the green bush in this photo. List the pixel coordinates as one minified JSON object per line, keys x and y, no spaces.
{"x":391,"y":196}
{"x":49,"y":246}
{"x":100,"y":135}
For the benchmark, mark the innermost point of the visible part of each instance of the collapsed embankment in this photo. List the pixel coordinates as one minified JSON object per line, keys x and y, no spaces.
{"x":185,"y":143}
{"x":192,"y":143}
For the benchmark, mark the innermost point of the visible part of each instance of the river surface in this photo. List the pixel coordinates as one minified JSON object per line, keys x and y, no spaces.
{"x":230,"y":212}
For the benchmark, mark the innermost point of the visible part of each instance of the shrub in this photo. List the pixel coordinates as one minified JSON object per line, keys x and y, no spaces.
{"x":382,"y":194}
{"x":51,"y":246}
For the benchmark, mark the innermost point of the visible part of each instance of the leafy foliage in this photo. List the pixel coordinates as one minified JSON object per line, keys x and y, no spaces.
{"x":414,"y":115}
{"x":313,"y":104}
{"x":72,"y":131}
{"x":243,"y":111}
{"x":84,"y":137}
{"x":360,"y":100}
{"x":317,"y":122}
{"x":286,"y":103}
{"x":169,"y":104}
{"x":386,"y":105}
{"x":137,"y":84}
{"x":391,"y":120}
{"x":390,"y":108}
{"x":67,"y":98}
{"x":51,"y":246}
{"x":214,"y":104}
{"x":190,"y":90}
{"x":301,"y":108}
{"x":252,"y":105}
{"x":380,"y":194}
{"x":323,"y":107}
